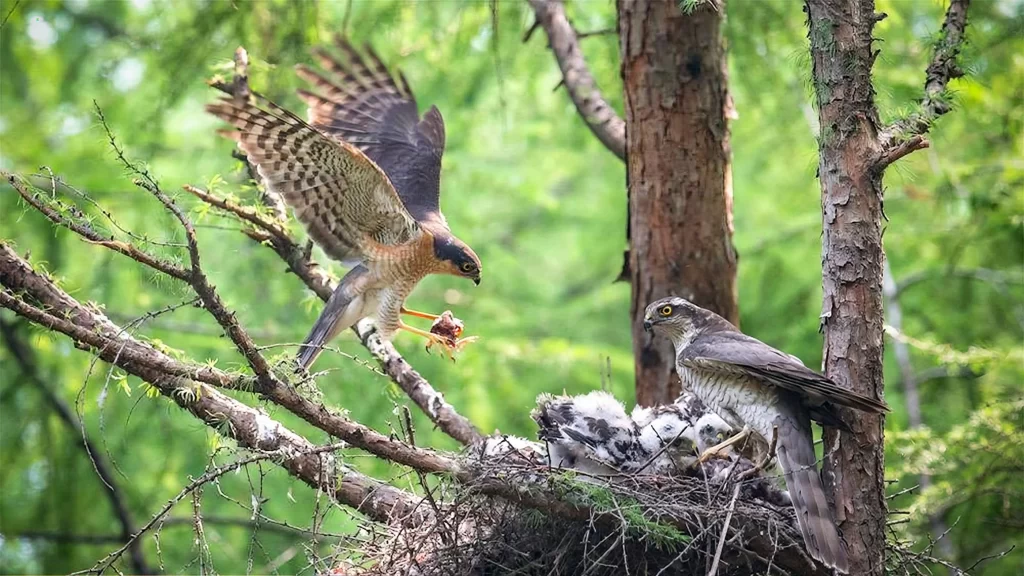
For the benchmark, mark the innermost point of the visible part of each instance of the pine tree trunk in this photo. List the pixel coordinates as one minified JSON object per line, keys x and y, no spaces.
{"x":678,"y":172}
{"x":852,"y":258}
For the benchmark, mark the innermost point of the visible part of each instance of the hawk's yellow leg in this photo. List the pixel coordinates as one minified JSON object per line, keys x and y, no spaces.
{"x":716,"y":450}
{"x":764,"y":460}
{"x":418,"y":314}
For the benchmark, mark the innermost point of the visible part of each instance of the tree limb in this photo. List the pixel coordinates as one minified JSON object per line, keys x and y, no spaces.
{"x":180,"y":382}
{"x":907,"y":135}
{"x":265,"y":230}
{"x":591,"y":105}
{"x":90,"y":329}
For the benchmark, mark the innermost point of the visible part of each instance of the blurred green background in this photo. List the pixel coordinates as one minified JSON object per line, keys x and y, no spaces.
{"x":541,"y":201}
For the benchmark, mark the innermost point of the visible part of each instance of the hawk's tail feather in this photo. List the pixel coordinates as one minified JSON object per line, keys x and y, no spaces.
{"x":327,"y":326}
{"x":334,"y":318}
{"x":799,"y":465}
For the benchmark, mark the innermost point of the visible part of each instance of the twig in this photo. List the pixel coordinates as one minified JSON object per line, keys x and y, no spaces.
{"x":900,"y":149}
{"x":601,"y":32}
{"x":725,"y":531}
{"x":194,"y":484}
{"x":239,"y":89}
{"x":907,"y":135}
{"x":991,"y":557}
{"x":75,"y":224}
{"x":225,"y":521}
{"x":23,"y":357}
{"x":9,"y":12}
{"x":998,"y":278}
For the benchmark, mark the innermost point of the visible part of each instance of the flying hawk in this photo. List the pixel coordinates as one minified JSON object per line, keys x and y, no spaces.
{"x":766,"y":393}
{"x":363,"y":176}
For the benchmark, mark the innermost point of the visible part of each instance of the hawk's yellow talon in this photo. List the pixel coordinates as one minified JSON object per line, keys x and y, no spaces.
{"x":717,"y":450}
{"x":419,"y":314}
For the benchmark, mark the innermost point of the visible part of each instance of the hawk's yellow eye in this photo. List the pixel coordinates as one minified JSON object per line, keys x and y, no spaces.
{"x":467,"y":266}
{"x":666,"y":311}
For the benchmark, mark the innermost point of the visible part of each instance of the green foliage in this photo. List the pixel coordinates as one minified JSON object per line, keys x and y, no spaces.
{"x":541,"y":201}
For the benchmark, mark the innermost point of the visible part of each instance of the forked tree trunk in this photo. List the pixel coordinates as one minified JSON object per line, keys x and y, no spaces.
{"x":678,"y":172}
{"x":851,"y":317}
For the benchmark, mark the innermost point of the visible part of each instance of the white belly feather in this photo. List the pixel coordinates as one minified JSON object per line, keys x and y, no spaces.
{"x":737,"y":399}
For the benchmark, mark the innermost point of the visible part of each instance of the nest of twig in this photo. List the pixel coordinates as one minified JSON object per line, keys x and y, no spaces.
{"x":567,"y":523}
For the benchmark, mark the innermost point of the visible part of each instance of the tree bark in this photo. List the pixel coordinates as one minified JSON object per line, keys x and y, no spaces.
{"x":678,"y":172}
{"x":851,"y":317}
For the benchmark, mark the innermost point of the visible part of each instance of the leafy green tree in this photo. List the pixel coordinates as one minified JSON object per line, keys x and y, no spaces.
{"x":542,"y":200}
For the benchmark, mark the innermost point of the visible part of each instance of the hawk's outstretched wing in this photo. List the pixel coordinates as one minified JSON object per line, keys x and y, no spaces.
{"x":345,"y":201}
{"x":358,"y":101}
{"x":729,"y":352}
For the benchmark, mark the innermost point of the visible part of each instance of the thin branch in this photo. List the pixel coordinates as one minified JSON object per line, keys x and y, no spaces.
{"x":239,"y":89}
{"x":75,"y":224}
{"x":211,"y":300}
{"x":601,"y":32}
{"x":998,"y":278}
{"x":896,"y":150}
{"x":602,"y":120}
{"x":907,"y":135}
{"x":23,"y":357}
{"x":225,"y":521}
{"x":725,"y":531}
{"x":267,"y":231}
{"x":9,"y":12}
{"x":192,"y":486}
{"x":946,"y":371}
{"x":908,"y":377}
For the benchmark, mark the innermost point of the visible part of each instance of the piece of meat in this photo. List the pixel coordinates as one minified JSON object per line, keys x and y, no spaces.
{"x":449,"y":327}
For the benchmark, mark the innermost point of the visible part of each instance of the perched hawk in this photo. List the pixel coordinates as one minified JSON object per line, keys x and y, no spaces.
{"x":768,"y":393}
{"x":363,"y":176}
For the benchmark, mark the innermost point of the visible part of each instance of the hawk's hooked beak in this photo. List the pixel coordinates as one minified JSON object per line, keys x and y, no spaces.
{"x":648,"y":325}
{"x":476,"y":280}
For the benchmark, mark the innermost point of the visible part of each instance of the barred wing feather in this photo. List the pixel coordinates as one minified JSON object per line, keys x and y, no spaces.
{"x":344,"y":199}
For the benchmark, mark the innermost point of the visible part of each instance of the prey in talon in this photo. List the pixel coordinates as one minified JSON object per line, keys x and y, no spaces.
{"x":448,"y":330}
